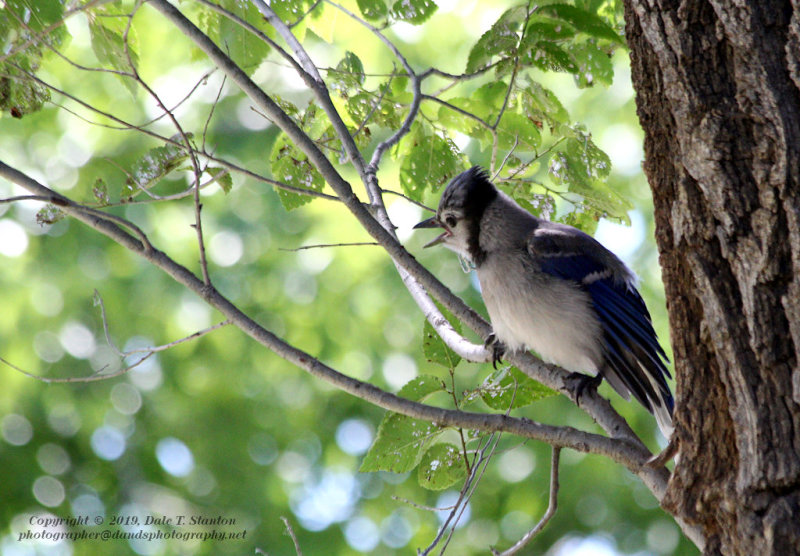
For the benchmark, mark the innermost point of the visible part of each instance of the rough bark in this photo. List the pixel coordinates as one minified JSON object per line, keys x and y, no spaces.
{"x":718,"y":95}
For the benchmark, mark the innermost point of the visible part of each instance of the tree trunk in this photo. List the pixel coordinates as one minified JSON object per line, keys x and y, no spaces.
{"x":718,"y":95}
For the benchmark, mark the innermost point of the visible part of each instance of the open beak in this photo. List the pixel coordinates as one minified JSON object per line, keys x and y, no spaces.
{"x":433,"y":223}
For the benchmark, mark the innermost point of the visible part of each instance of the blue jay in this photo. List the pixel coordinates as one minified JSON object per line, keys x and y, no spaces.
{"x":551,"y":288}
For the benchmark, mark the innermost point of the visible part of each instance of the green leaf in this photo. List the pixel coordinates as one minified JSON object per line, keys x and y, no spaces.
{"x":373,"y":10}
{"x":458,"y":121}
{"x":349,"y":73}
{"x":542,"y":105}
{"x":157,"y":163}
{"x":585,"y":220}
{"x":22,"y":24}
{"x":583,"y":167}
{"x":374,"y":107}
{"x":420,"y":387}
{"x":500,"y":40}
{"x":399,"y":444}
{"x":492,"y":94}
{"x":223,"y":177}
{"x":291,"y":166}
{"x":517,"y":131}
{"x":110,"y":47}
{"x":550,"y":57}
{"x":246,"y":49}
{"x":434,"y":348}
{"x":49,"y":214}
{"x":546,"y":28}
{"x":100,"y":192}
{"x":429,"y":161}
{"x":583,"y":21}
{"x":594,"y":65}
{"x":413,"y":11}
{"x":508,"y":387}
{"x":442,"y":466}
{"x":290,"y":11}
{"x":401,"y":441}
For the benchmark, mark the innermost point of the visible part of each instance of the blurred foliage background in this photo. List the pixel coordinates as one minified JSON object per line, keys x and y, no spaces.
{"x":219,"y":426}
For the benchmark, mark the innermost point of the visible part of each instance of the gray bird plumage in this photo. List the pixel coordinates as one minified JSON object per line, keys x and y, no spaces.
{"x":551,"y":288}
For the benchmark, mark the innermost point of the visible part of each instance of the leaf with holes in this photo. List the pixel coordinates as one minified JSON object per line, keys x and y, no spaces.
{"x":594,"y":65}
{"x":373,"y":10}
{"x":291,"y":166}
{"x":542,"y":105}
{"x":434,"y":348}
{"x":156,"y":164}
{"x":245,"y":48}
{"x":429,"y":161}
{"x":584,"y":21}
{"x":401,"y":441}
{"x":519,"y":132}
{"x":500,"y":40}
{"x":549,"y":56}
{"x":349,"y":73}
{"x":508,"y":387}
{"x":413,"y":11}
{"x":111,"y":48}
{"x":442,"y":466}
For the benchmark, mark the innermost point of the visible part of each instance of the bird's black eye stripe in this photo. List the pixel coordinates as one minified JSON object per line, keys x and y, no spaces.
{"x":450,"y":221}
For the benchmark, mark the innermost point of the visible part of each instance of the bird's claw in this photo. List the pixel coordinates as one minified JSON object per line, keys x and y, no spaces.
{"x":497,"y":348}
{"x":584,"y":383}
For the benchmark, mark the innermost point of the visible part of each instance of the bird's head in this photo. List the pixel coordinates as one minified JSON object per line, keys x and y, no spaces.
{"x":460,"y":210}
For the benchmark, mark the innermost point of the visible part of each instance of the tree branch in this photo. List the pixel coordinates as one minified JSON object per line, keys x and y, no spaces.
{"x":556,"y":378}
{"x":630,"y":454}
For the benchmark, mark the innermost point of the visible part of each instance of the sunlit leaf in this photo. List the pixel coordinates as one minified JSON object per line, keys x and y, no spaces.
{"x":429,"y":161}
{"x":401,"y":441}
{"x":508,"y":387}
{"x":442,"y":466}
{"x":349,"y":73}
{"x":517,"y":131}
{"x":291,"y":166}
{"x":547,"y":28}
{"x":458,"y":119}
{"x":434,"y":348}
{"x":374,"y":108}
{"x":541,"y":104}
{"x":373,"y":10}
{"x":583,"y":167}
{"x":594,"y":65}
{"x":157,"y":163}
{"x":500,"y":40}
{"x":100,"y":192}
{"x":550,"y":56}
{"x":223,"y":178}
{"x":114,"y":49}
{"x":584,"y":21}
{"x":413,"y":11}
{"x":49,"y":214}
{"x":245,"y":48}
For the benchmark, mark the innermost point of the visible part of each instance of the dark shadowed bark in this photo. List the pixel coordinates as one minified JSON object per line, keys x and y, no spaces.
{"x":718,"y":95}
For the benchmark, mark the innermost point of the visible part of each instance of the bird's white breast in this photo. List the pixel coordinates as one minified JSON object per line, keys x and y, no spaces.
{"x":534,"y":311}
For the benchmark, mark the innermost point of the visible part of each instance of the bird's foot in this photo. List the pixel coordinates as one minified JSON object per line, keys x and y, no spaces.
{"x":496,"y":347}
{"x":584,"y":383}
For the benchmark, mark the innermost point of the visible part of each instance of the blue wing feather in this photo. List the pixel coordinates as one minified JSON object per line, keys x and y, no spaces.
{"x":630,"y":340}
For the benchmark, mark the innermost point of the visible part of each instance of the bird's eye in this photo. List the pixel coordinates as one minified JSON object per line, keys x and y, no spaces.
{"x":450,"y":221}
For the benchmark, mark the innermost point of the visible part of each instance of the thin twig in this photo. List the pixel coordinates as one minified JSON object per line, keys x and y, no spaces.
{"x":99,"y":301}
{"x":552,"y":506}
{"x":186,"y":144}
{"x":292,"y":535}
{"x":326,"y":245}
{"x":92,"y":378}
